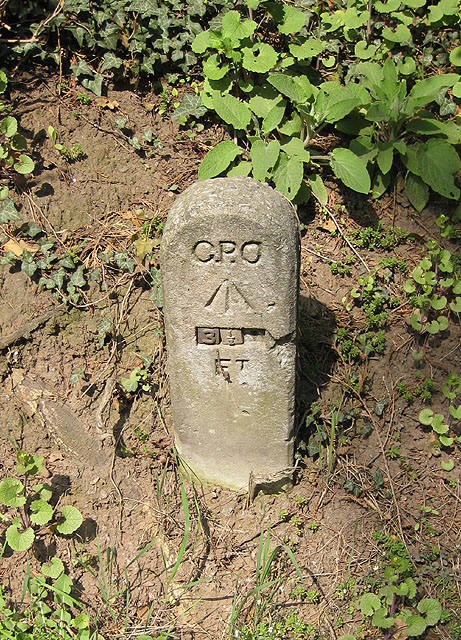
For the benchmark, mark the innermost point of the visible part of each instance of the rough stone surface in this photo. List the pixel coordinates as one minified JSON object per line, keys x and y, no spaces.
{"x":230,"y":265}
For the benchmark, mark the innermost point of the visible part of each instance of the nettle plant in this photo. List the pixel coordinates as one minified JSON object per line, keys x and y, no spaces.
{"x":266,"y":94}
{"x":28,"y":509}
{"x":12,"y":143}
{"x":435,"y":290}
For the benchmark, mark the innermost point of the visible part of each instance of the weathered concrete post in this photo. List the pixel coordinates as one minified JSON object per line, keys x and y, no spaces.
{"x":230,"y":264}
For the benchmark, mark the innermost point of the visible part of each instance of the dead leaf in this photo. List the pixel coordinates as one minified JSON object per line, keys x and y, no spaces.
{"x":144,"y":245}
{"x":17,"y":247}
{"x":149,"y":106}
{"x":327,"y":225}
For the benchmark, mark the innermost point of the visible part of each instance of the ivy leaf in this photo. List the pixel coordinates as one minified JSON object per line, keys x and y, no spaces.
{"x":288,"y":175}
{"x":264,"y":158}
{"x":232,"y":111}
{"x":72,"y":519}
{"x":438,"y":163}
{"x":8,"y":211}
{"x":77,"y":278}
{"x":124,"y":261}
{"x":218,"y":159}
{"x":111,"y":61}
{"x":260,"y":59}
{"x":43,"y":512}
{"x":350,"y":170}
{"x":19,"y":541}
{"x":191,"y":105}
{"x":417,"y":191}
{"x":11,"y":490}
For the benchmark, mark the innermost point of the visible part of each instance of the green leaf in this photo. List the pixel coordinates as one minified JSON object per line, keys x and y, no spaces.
{"x":438,"y":163}
{"x":309,"y":49}
{"x":318,"y":188}
{"x":213,"y":68}
{"x":350,"y":170}
{"x":295,"y":147}
{"x":9,"y":126}
{"x":429,"y":87}
{"x":218,"y":159}
{"x":290,"y":87}
{"x":77,"y":278}
{"x":111,"y":61}
{"x":288,"y":175}
{"x":3,"y":81}
{"x":448,"y":465}
{"x":369,"y":603}
{"x":364,"y":52}
{"x":242,"y":168}
{"x":95,"y":86}
{"x":260,"y":59}
{"x":264,"y":158}
{"x":191,"y":105}
{"x":274,"y":117}
{"x":42,"y":512}
{"x":19,"y":541}
{"x":232,"y":111}
{"x":263,"y":99}
{"x":416,"y":626}
{"x":11,"y":490}
{"x":54,"y":569}
{"x":455,"y":412}
{"x":432,"y":608}
{"x":438,"y":425}
{"x":206,"y":40}
{"x":438,"y":302}
{"x":385,"y":156}
{"x":28,"y":463}
{"x":401,"y":34}
{"x":425,"y":416}
{"x":379,"y":619}
{"x":455,"y":57}
{"x":234,"y":29}
{"x":430,"y":126}
{"x":8,"y":211}
{"x":293,"y":20}
{"x":456,"y":305}
{"x":24,"y":165}
{"x":72,"y":519}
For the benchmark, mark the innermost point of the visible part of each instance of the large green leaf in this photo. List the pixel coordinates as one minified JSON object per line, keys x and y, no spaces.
{"x":431,"y":86}
{"x":350,"y":170}
{"x":438,"y":163}
{"x":19,"y":540}
{"x":274,"y":117}
{"x":218,"y":159}
{"x":430,"y":126}
{"x":232,"y":111}
{"x":335,"y":102}
{"x":417,"y":191}
{"x":42,"y":512}
{"x":308,"y":49}
{"x":260,"y":59}
{"x":432,"y":608}
{"x":293,"y":20}
{"x":263,"y":99}
{"x":205,"y":40}
{"x":264,"y":158}
{"x":288,"y":175}
{"x":290,"y":87}
{"x":234,"y":29}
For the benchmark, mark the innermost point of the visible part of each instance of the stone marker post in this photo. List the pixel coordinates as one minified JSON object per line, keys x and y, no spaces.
{"x":230,"y":265}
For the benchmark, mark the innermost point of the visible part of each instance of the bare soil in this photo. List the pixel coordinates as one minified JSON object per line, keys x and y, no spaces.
{"x":109,"y":452}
